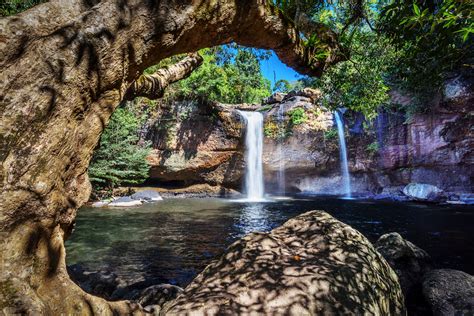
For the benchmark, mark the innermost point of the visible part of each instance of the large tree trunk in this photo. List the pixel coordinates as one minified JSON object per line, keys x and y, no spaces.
{"x":65,"y":66}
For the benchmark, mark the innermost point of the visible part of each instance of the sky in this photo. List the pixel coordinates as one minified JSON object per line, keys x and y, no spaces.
{"x":281,"y":70}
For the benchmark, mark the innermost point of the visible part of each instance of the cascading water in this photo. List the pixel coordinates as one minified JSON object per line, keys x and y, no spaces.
{"x":253,"y":158}
{"x":343,"y":154}
{"x":281,"y":166}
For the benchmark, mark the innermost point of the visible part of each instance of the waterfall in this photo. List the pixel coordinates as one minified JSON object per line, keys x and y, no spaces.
{"x":281,"y":166}
{"x":253,"y":156}
{"x":343,"y":155}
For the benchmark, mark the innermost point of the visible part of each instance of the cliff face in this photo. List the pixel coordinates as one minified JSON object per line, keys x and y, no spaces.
{"x":195,"y":142}
{"x":202,"y":143}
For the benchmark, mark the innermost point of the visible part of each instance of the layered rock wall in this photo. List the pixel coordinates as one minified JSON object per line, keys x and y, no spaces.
{"x":201,"y":142}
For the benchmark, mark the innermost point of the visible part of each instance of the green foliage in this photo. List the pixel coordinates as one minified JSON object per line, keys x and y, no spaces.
{"x":229,"y":74}
{"x":434,"y":38}
{"x":297,"y":116}
{"x":330,"y":134}
{"x":282,"y":85}
{"x":12,"y":7}
{"x":372,"y":148}
{"x":120,"y":159}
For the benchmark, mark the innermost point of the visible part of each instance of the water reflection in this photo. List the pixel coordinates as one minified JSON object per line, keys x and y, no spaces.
{"x":253,"y":218}
{"x":172,"y":241}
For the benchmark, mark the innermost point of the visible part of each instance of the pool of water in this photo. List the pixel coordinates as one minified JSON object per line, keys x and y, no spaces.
{"x":173,"y":240}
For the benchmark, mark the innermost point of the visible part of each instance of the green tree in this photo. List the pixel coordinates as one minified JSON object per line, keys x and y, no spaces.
{"x":282,"y":85}
{"x":229,"y":74}
{"x":435,"y":38}
{"x":11,"y":7}
{"x":120,"y":158}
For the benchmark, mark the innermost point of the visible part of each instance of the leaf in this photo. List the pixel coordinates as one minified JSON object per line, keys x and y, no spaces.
{"x":416,"y":9}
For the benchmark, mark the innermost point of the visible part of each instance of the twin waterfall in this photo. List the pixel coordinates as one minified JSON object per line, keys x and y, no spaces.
{"x":253,"y":156}
{"x":343,"y":155}
{"x":254,"y":187}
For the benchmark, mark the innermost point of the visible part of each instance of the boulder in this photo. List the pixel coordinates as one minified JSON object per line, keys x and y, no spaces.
{"x":408,"y":261}
{"x":311,"y":265}
{"x":449,"y":292}
{"x":124,"y":201}
{"x":153,"y":297}
{"x":147,"y":196}
{"x":274,"y":98}
{"x":100,"y":203}
{"x":101,"y":283}
{"x":424,"y":192}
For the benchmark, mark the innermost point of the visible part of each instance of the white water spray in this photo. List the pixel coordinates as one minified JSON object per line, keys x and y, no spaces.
{"x":343,"y":154}
{"x":253,"y":157}
{"x":281,"y":166}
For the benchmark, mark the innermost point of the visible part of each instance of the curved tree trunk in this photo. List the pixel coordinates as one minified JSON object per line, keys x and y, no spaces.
{"x":153,"y":86}
{"x":65,"y":66}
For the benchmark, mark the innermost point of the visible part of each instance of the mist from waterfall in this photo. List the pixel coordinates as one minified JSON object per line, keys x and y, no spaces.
{"x":281,"y":153}
{"x":343,"y":155}
{"x":254,"y":188}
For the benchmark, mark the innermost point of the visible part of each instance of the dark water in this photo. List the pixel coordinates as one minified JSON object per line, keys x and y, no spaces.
{"x":171,"y":241}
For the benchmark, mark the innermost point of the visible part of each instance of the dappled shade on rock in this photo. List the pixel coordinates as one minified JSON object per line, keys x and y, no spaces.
{"x":313,"y":264}
{"x":409,"y":261}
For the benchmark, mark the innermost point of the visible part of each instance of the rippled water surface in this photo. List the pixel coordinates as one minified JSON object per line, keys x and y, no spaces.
{"x":171,"y":241}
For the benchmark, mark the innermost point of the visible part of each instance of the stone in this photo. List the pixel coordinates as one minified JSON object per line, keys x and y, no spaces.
{"x":409,"y":261}
{"x":100,"y":203}
{"x":424,"y":192}
{"x":157,"y":295}
{"x":456,"y":88}
{"x":274,"y":98}
{"x":124,"y":201}
{"x":101,"y":283}
{"x":449,"y":292}
{"x":147,"y":196}
{"x":311,"y":265}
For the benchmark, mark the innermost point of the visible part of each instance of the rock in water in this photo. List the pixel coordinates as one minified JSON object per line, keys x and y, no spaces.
{"x":408,"y":261}
{"x":312,"y":265}
{"x":449,"y":292}
{"x":424,"y":192}
{"x":153,"y":297}
{"x":147,"y":195}
{"x":124,"y":201}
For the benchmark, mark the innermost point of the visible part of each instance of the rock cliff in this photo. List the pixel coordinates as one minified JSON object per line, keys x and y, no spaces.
{"x":201,"y":142}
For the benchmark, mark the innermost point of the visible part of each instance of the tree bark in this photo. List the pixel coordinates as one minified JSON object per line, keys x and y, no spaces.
{"x":66,"y":65}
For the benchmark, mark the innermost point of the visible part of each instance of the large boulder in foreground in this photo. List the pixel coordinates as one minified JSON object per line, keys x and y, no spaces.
{"x":313,"y":264}
{"x":409,"y":261}
{"x":424,"y":192}
{"x":449,"y":292}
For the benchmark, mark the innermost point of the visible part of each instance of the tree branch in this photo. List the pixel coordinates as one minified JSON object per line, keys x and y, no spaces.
{"x":153,"y":86}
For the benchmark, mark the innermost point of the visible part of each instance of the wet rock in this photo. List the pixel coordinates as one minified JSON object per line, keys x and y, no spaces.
{"x":312,"y":264}
{"x":156,"y":295}
{"x":101,"y":283}
{"x":449,"y":292}
{"x":147,"y":195}
{"x":424,"y":192}
{"x":409,"y":261}
{"x":124,"y":201}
